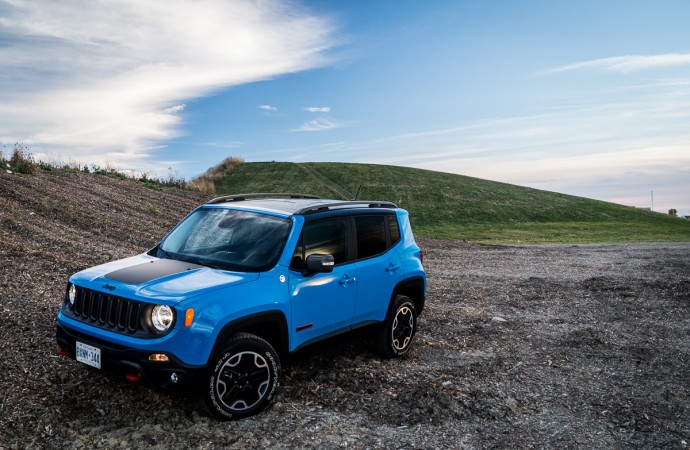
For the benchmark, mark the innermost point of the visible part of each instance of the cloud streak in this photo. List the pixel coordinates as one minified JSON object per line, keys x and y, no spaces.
{"x":321,"y":124}
{"x":626,"y":64}
{"x":268,"y":108}
{"x":230,"y":144}
{"x":318,"y":109}
{"x":95,"y":80}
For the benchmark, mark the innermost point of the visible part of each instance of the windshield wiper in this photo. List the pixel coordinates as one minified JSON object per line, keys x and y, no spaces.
{"x":165,"y":254}
{"x":185,"y":258}
{"x":208,"y":263}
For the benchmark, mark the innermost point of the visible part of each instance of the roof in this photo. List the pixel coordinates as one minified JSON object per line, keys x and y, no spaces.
{"x":294,"y":204}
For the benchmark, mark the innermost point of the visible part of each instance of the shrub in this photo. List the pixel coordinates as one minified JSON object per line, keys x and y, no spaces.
{"x":22,"y":161}
{"x":45,"y":165}
{"x":673,"y":212}
{"x":206,"y":182}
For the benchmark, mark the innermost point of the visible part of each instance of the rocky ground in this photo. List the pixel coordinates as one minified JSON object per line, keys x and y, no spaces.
{"x":556,"y":346}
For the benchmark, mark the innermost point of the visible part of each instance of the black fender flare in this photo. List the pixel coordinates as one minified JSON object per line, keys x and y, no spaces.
{"x":268,"y":325}
{"x":412,"y":287}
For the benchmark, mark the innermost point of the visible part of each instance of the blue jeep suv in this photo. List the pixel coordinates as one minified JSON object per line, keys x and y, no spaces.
{"x":241,"y":283}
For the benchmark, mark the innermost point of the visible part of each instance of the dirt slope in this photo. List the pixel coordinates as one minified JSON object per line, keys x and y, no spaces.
{"x":519,"y":346}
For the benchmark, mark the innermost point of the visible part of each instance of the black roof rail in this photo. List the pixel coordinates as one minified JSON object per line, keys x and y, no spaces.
{"x":242,"y":197}
{"x":336,"y":205}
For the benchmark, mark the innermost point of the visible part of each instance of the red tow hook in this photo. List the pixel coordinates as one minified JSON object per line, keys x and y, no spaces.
{"x":63,"y":352}
{"x":133,"y":377}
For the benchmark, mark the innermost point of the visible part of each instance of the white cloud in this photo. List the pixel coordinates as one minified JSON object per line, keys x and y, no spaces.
{"x":176,"y":108}
{"x":314,"y":109}
{"x":321,"y":124}
{"x":268,"y":108}
{"x":93,"y":81}
{"x":628,"y":63}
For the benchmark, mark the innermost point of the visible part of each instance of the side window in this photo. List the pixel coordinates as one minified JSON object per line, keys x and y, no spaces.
{"x":328,"y":237}
{"x":393,"y":228}
{"x":371,"y":236}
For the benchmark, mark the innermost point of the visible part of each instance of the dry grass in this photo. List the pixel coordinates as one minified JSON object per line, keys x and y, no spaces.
{"x":203,"y":184}
{"x":21,"y":160}
{"x":206,"y":182}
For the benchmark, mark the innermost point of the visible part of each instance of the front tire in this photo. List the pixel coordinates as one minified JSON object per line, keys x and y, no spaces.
{"x":399,"y":328}
{"x":243,"y":379}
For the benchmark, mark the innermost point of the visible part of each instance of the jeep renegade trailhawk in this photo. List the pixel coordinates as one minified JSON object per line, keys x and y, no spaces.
{"x":241,"y":283}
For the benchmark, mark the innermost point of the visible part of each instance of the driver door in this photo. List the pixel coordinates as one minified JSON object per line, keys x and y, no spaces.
{"x":322,"y":303}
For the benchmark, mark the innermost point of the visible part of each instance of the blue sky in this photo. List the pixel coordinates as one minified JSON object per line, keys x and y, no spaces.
{"x":589,"y":98}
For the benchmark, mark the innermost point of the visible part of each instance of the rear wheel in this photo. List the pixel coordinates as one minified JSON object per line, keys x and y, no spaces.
{"x":396,"y":336}
{"x":243,"y":379}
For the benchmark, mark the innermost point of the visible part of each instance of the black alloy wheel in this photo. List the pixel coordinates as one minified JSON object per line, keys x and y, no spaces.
{"x":403,"y":328}
{"x":399,"y":328}
{"x":244,"y":378}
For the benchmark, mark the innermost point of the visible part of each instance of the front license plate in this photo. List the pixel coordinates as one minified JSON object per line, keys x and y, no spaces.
{"x":89,"y":355}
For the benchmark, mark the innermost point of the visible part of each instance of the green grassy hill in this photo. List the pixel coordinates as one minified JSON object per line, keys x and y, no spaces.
{"x":458,"y":207}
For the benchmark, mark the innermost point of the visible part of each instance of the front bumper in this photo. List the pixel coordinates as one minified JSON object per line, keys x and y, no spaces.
{"x":134,"y":365}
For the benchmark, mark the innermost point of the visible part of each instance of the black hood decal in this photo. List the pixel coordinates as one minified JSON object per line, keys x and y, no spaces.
{"x":159,"y":268}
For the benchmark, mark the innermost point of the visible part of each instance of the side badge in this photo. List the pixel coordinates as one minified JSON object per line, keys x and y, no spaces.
{"x":282,"y":278}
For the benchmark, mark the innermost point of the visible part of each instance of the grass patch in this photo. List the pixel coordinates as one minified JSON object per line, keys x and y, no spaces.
{"x":458,"y":207}
{"x":560,"y":232}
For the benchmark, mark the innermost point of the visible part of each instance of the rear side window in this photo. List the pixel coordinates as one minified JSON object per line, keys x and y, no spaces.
{"x":371,"y":236}
{"x":394,"y":229}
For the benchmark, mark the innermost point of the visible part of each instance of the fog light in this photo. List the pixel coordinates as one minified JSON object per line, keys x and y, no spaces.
{"x":159,"y":357}
{"x":174,"y":378}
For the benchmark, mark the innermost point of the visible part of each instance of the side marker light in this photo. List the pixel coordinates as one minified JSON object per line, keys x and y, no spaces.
{"x":188,"y":317}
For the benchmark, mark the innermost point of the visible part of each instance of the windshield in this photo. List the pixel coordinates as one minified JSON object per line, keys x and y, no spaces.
{"x":227,"y":239}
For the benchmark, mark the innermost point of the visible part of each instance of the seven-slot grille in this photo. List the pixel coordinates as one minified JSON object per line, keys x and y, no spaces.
{"x":107,"y":311}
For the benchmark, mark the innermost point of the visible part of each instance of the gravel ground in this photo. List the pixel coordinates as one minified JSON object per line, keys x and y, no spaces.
{"x":552,"y":346}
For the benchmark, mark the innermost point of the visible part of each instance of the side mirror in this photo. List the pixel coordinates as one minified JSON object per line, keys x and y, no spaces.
{"x":320,"y":263}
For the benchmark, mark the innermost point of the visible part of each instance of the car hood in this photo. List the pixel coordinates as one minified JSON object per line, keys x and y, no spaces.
{"x":145,"y":277}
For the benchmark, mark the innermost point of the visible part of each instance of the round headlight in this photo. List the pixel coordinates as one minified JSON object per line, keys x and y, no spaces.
{"x":72,"y":294}
{"x":161,"y":317}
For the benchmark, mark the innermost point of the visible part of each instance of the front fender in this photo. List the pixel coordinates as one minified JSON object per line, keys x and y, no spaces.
{"x":227,"y":310}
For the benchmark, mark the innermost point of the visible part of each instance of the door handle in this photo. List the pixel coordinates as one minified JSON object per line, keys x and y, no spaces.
{"x":347,"y":280}
{"x":392,"y":268}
